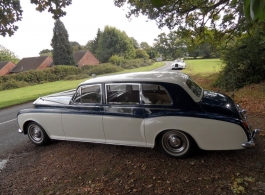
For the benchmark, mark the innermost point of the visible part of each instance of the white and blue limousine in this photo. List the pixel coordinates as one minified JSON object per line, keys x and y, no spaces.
{"x":145,"y":109}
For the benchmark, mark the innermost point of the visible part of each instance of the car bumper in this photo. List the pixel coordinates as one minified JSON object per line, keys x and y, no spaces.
{"x":20,"y":131}
{"x":251,"y":143}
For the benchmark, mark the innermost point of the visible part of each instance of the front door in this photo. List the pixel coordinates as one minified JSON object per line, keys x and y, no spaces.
{"x":82,"y":121}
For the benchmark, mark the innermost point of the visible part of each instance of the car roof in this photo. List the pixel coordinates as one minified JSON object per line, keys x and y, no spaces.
{"x":153,"y":76}
{"x":169,"y":77}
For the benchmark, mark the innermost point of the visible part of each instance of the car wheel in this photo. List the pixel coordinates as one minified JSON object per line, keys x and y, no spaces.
{"x":176,"y":144}
{"x":37,"y":135}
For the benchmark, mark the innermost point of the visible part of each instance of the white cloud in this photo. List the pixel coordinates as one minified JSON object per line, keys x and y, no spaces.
{"x":82,"y":21}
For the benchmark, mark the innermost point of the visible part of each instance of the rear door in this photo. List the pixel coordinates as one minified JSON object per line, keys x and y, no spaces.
{"x":123,"y":118}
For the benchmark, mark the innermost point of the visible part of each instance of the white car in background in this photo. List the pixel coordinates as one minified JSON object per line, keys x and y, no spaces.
{"x":178,"y":64}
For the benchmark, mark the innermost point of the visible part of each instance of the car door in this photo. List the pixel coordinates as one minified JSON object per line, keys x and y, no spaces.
{"x":82,"y":121}
{"x":123,"y":118}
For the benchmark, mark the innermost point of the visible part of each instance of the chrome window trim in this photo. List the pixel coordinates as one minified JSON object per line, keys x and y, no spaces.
{"x":80,"y":92}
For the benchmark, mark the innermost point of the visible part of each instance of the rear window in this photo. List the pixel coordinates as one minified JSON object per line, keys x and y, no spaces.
{"x":196,"y":89}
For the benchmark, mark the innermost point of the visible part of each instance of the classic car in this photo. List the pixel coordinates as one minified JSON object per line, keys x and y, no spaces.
{"x":178,"y":64}
{"x":145,"y":109}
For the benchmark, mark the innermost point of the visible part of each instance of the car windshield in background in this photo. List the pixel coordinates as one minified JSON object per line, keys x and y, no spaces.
{"x":178,"y":60}
{"x":196,"y":89}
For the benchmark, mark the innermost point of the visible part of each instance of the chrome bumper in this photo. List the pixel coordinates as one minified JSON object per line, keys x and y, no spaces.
{"x":20,"y":131}
{"x":251,"y":142}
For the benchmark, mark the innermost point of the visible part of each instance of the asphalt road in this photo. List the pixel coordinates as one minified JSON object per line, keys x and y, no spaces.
{"x":9,"y":136}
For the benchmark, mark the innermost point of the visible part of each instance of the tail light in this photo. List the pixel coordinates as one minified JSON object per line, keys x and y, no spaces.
{"x":245,"y":125}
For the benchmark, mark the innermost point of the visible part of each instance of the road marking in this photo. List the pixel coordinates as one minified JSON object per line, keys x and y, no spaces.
{"x":8,"y":121}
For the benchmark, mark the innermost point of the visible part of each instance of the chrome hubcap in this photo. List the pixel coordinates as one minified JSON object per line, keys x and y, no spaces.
{"x":35,"y":133}
{"x":175,"y":142}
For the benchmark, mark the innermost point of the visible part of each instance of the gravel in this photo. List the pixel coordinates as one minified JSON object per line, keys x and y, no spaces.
{"x":83,"y":168}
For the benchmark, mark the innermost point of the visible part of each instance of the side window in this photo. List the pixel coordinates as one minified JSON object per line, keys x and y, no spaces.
{"x":89,"y":94}
{"x":155,"y":94}
{"x":123,"y":93}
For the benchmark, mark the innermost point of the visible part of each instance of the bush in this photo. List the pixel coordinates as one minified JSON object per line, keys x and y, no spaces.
{"x":245,"y":63}
{"x":117,"y":60}
{"x":136,"y":63}
{"x":104,"y":69}
{"x":13,"y":84}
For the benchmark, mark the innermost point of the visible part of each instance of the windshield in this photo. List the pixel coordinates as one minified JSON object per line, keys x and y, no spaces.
{"x":196,"y":89}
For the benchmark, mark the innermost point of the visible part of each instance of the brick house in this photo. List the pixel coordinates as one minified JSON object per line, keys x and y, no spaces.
{"x":33,"y":63}
{"x":83,"y":57}
{"x":5,"y":67}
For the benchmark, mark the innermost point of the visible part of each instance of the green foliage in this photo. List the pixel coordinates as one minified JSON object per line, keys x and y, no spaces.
{"x":93,"y":45}
{"x":117,"y":60}
{"x":255,"y":9}
{"x":75,"y":46}
{"x":53,"y":6}
{"x":136,"y":63}
{"x":114,"y":42}
{"x":13,"y":84}
{"x":62,"y":50}
{"x":10,"y":13}
{"x":245,"y":63}
{"x":140,"y":53}
{"x":104,"y":69}
{"x":33,"y":77}
{"x":55,"y":73}
{"x":170,"y":46}
{"x":45,"y":52}
{"x":135,"y":43}
{"x":7,"y":55}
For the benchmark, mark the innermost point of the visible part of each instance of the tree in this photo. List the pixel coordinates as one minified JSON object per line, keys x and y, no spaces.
{"x":192,"y":16}
{"x":244,"y":59}
{"x":140,"y":53}
{"x":7,"y":55}
{"x":135,"y":43}
{"x":11,"y":12}
{"x":114,"y":42}
{"x":46,"y":52}
{"x":170,"y":46}
{"x":144,"y":45}
{"x":62,"y":51}
{"x":75,"y":46}
{"x":206,"y":46}
{"x":93,"y":45}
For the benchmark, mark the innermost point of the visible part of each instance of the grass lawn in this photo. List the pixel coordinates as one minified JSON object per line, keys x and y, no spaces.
{"x":203,"y":71}
{"x":25,"y":94}
{"x":204,"y":67}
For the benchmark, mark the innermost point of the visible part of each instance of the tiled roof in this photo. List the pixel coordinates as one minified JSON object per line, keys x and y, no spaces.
{"x":2,"y":64}
{"x":31,"y":63}
{"x":78,"y":55}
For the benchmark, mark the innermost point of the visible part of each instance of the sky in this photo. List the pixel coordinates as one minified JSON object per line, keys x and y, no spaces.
{"x":82,"y":21}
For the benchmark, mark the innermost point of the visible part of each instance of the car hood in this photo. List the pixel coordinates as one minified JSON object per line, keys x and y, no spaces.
{"x":57,"y":99}
{"x":218,"y":103}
